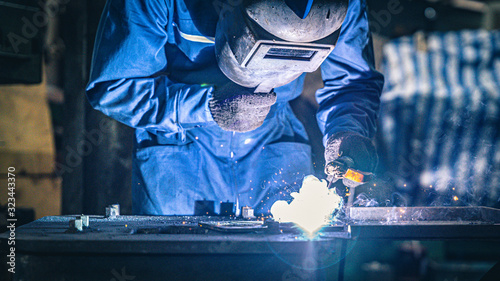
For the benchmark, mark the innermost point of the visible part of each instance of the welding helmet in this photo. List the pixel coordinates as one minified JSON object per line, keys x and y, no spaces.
{"x":269,"y":43}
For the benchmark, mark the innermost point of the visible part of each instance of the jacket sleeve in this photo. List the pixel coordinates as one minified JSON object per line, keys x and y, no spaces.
{"x":126,"y":80}
{"x":349,"y":101}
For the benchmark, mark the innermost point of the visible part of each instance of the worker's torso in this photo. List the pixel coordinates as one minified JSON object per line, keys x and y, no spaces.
{"x":190,"y":52}
{"x":191,"y":49}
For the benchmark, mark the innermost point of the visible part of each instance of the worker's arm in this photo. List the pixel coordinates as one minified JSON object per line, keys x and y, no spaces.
{"x":126,"y":81}
{"x":349,"y":101}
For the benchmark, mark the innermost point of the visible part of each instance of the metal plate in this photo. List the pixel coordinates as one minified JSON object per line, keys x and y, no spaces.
{"x":392,"y":215}
{"x":234,"y":226}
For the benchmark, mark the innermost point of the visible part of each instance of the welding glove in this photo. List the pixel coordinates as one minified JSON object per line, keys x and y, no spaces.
{"x":358,"y":149}
{"x":240,"y":109}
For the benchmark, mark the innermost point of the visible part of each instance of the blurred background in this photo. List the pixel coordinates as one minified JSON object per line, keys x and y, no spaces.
{"x":438,"y":137}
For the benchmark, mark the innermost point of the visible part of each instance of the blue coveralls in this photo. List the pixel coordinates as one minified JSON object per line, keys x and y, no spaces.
{"x":153,"y":65}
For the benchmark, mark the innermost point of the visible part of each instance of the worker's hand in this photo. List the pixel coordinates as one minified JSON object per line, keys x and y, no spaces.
{"x":236,"y":108}
{"x":359,"y":151}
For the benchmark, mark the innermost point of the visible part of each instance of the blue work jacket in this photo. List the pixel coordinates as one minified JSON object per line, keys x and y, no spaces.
{"x":152,"y":68}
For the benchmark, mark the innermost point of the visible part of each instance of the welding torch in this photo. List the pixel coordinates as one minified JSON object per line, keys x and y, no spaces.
{"x":342,"y":168}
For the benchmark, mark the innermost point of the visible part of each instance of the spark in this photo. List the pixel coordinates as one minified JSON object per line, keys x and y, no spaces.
{"x":455,"y":198}
{"x":311,"y":208}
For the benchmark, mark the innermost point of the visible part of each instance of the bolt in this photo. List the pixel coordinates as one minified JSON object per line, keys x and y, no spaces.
{"x":84,"y":219}
{"x":76,"y":225}
{"x":112,"y":211}
{"x":247,"y":213}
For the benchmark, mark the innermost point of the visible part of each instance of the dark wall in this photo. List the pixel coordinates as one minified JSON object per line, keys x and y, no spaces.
{"x":21,"y":32}
{"x":97,"y":150}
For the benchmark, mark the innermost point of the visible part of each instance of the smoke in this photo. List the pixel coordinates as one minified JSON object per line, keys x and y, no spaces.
{"x":363,"y":200}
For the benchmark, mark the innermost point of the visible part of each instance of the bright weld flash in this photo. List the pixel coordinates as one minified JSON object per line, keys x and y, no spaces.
{"x":311,"y":208}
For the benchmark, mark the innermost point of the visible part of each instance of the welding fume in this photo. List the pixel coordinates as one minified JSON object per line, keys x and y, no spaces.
{"x":207,"y":85}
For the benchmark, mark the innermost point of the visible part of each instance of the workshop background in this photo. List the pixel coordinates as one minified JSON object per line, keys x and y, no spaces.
{"x":438,"y":137}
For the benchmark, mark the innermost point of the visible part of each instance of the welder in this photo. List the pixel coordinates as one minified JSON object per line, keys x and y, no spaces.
{"x":207,"y":85}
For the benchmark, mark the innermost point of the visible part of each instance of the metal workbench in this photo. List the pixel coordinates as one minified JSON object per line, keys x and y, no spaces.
{"x":223,"y":248}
